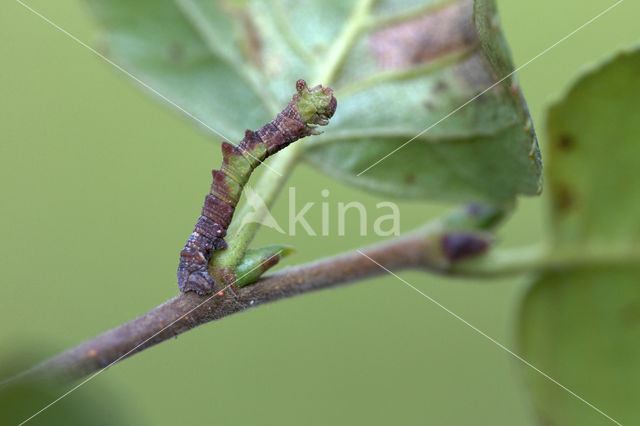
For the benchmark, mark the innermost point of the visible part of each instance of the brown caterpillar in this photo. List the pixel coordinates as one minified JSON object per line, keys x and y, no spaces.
{"x":308,"y":108}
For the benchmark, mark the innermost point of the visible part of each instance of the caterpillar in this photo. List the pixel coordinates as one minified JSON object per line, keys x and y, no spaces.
{"x":308,"y":108}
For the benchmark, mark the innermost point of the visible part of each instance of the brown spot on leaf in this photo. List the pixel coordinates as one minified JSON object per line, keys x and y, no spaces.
{"x":562,"y":198}
{"x":440,"y":86}
{"x":410,"y":178}
{"x":425,"y":38}
{"x":270,"y":262}
{"x":476,"y":74}
{"x":176,"y":52}
{"x":429,"y":105}
{"x":251,"y":40}
{"x":565,"y":142}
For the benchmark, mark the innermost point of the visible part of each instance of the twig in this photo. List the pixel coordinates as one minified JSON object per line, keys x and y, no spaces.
{"x":182,"y":313}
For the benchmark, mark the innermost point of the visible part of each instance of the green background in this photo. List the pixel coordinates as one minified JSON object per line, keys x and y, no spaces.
{"x":101,"y":186}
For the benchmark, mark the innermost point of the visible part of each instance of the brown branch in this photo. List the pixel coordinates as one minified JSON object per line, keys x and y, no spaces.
{"x":425,"y":249}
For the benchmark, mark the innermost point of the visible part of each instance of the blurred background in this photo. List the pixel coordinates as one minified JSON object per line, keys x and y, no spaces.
{"x":101,"y":186}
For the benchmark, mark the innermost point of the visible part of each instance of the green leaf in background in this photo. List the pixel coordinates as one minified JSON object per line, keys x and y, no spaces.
{"x":399,"y":67}
{"x":582,"y":326}
{"x":594,"y":162}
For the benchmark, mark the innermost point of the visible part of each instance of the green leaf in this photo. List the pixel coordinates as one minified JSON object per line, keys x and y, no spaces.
{"x":582,"y":328}
{"x":594,"y":171}
{"x":399,"y":67}
{"x":258,"y":261}
{"x":405,"y":78}
{"x":189,"y":52}
{"x":582,"y":325}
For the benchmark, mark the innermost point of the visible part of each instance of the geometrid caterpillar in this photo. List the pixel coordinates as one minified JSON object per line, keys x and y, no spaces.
{"x":307,"y":109}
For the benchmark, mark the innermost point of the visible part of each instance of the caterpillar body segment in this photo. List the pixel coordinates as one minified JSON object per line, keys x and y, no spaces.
{"x":309,"y":108}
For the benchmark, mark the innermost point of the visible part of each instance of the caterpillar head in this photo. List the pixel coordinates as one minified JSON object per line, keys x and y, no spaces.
{"x":316,"y":105}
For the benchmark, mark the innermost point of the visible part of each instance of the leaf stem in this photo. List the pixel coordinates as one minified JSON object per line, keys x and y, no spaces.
{"x":532,"y":259}
{"x":240,"y":235}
